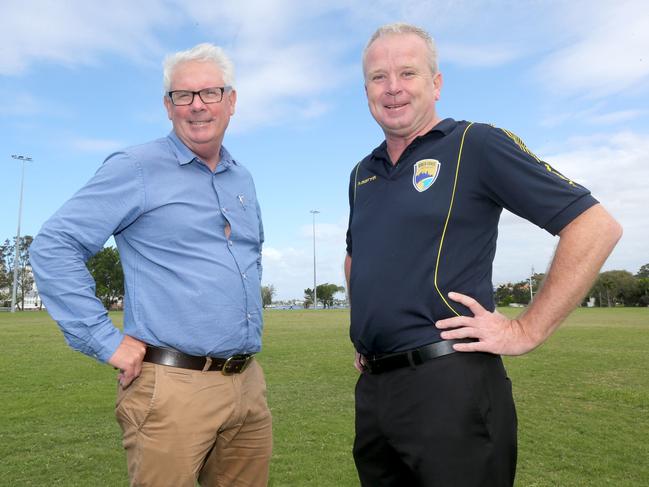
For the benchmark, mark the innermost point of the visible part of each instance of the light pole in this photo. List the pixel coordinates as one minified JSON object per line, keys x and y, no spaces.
{"x":315,"y":293}
{"x":531,"y":282}
{"x":20,"y":214}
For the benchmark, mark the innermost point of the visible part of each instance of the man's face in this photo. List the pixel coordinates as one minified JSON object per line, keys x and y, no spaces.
{"x":200,"y":126}
{"x":401,"y":89}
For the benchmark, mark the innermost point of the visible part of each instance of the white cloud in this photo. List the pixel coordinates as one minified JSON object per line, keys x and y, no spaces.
{"x":102,"y":146}
{"x":291,"y":55}
{"x":482,"y":55}
{"x":287,"y":84}
{"x":20,"y":104}
{"x":284,"y":66}
{"x":594,"y":115}
{"x":615,"y":117}
{"x":607,"y":55}
{"x":290,"y":269}
{"x":325,"y":232}
{"x":77,"y":32}
{"x":615,"y":168}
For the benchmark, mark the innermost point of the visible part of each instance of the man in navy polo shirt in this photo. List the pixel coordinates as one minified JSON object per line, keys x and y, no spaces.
{"x":424,"y":211}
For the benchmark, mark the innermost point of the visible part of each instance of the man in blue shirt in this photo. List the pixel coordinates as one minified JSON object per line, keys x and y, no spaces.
{"x":424,"y":212}
{"x":184,"y":214}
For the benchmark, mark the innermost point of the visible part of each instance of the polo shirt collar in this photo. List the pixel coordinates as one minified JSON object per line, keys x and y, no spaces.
{"x":184,"y":155}
{"x":444,"y":127}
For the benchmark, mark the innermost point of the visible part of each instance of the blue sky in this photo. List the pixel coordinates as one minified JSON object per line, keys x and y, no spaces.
{"x":571,"y":78}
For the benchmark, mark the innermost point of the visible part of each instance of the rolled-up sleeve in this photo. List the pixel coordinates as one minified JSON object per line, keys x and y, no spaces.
{"x":110,"y":201}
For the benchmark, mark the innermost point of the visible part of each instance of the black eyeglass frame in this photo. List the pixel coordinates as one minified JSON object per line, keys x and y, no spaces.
{"x":223,"y":89}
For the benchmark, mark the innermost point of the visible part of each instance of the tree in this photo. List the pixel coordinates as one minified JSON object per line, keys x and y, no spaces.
{"x":643,"y":272}
{"x":537,"y":280}
{"x":643,"y":291}
{"x":5,"y":279}
{"x":325,"y":293}
{"x":521,"y":292}
{"x":614,"y":287}
{"x":106,"y":269}
{"x":503,"y":295}
{"x":25,"y":276}
{"x":25,"y":279}
{"x":509,"y":293}
{"x":267,"y":294}
{"x":308,"y":298}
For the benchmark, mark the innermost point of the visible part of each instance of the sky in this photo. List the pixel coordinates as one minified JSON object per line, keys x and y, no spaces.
{"x":81,"y":79}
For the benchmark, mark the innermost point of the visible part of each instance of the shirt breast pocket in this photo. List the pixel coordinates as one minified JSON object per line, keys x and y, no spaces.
{"x":246,"y":217}
{"x":243,"y":201}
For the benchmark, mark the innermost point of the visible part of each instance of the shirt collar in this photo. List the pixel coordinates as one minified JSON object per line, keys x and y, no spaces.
{"x":444,"y":127}
{"x":186,"y":156}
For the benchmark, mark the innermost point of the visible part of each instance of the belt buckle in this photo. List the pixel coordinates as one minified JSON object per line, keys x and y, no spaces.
{"x":229,"y":367}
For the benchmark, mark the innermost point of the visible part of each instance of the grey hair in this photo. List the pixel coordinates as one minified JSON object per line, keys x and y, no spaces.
{"x":202,"y":52}
{"x":400,"y":28}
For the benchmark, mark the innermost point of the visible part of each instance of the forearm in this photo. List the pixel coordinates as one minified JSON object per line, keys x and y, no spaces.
{"x":67,"y":290}
{"x":348,"y":269}
{"x":108,"y":203}
{"x":584,"y":246}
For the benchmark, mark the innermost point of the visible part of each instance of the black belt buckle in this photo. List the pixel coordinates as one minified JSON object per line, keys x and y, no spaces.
{"x":236,"y":364}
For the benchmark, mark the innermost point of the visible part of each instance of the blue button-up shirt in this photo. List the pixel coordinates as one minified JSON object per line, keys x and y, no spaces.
{"x":187,"y":286}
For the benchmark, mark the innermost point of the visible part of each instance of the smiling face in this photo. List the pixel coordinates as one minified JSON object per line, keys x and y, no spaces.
{"x":200,"y":126}
{"x":401,"y":89}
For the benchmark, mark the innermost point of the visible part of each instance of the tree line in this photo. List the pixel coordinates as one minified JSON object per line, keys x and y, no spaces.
{"x":612,"y":288}
{"x":324,"y":293}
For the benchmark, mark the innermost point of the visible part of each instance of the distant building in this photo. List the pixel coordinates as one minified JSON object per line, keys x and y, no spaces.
{"x":32,"y":298}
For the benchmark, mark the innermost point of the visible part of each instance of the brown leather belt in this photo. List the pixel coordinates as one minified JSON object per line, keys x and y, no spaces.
{"x":385,"y":363}
{"x":173,"y":358}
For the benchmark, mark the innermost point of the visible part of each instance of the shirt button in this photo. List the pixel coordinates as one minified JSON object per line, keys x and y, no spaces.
{"x":243,"y":274}
{"x":248,"y":315}
{"x":230,"y":243}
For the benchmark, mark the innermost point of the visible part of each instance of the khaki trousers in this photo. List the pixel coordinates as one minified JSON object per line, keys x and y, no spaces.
{"x":185,"y":426}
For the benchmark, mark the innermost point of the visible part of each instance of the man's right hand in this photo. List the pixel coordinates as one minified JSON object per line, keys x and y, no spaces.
{"x":358,"y":362}
{"x":128,"y":359}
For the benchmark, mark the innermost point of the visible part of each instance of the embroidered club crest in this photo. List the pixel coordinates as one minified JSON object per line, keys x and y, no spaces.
{"x":425,"y":174}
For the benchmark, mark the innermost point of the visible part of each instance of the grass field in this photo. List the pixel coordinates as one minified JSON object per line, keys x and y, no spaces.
{"x":582,"y":398}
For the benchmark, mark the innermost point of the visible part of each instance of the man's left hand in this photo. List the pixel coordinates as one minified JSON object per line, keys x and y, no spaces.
{"x":494,"y":332}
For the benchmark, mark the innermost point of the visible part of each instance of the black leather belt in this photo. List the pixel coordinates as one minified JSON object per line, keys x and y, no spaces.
{"x":410,"y":358}
{"x":173,"y":358}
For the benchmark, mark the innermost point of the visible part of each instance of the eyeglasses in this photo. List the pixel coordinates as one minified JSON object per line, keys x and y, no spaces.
{"x":207,"y":95}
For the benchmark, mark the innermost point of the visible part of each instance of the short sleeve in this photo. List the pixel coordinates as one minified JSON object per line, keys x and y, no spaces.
{"x":516,"y":179}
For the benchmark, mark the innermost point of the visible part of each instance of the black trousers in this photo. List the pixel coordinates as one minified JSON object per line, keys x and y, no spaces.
{"x":450,"y":422}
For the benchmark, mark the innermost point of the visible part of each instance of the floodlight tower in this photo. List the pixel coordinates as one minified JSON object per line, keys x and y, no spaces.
{"x":531,"y":283}
{"x":315,"y":293}
{"x":20,"y":213}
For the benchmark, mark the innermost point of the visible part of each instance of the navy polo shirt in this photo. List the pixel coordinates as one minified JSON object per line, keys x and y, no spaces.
{"x":428,"y":225}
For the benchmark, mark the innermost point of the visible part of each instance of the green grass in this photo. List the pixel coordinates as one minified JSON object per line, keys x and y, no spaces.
{"x":582,"y":398}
